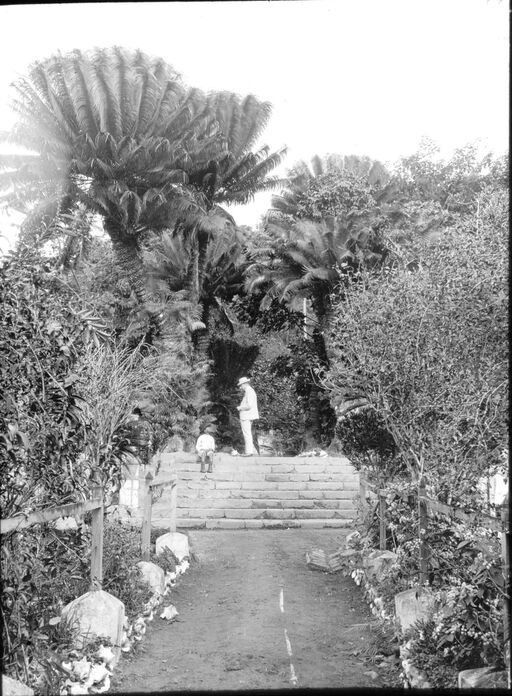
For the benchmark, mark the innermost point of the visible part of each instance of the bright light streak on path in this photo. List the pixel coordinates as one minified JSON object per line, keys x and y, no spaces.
{"x":293,"y":676}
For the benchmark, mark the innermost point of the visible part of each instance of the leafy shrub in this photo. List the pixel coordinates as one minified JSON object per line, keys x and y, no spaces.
{"x":366,"y":441}
{"x":454,"y":185}
{"x":100,"y":283}
{"x":464,"y":574}
{"x":278,"y":403}
{"x":469,"y":629}
{"x":178,"y":388}
{"x":166,"y":560}
{"x":298,"y":406}
{"x":43,"y":428}
{"x":68,"y":391}
{"x":426,"y":656}
{"x":121,"y":577}
{"x":44,"y":569}
{"x":167,"y":376}
{"x":113,"y":379}
{"x":428,"y":350}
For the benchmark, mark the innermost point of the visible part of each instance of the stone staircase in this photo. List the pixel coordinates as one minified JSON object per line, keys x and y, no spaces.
{"x":259,"y":492}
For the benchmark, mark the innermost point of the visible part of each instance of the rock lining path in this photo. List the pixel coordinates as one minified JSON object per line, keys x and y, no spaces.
{"x":252,"y":615}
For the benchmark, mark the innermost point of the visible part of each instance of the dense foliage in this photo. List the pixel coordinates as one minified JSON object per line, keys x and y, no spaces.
{"x":424,"y":347}
{"x":428,"y":351}
{"x":464,"y":577}
{"x":369,"y":310}
{"x":331,"y":186}
{"x":45,"y":568}
{"x":44,"y":426}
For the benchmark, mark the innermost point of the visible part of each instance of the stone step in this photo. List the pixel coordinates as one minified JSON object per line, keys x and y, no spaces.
{"x":189,"y":496}
{"x":220,"y":467}
{"x":181,"y":458}
{"x":202,"y":480}
{"x":238,"y":477}
{"x":266,"y":513}
{"x":259,"y":492}
{"x":262,"y":504}
{"x":187,"y":487}
{"x":222,"y":523}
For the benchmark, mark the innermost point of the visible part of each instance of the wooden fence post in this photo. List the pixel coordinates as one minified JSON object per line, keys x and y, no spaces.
{"x":505,"y":558}
{"x":97,"y":541}
{"x":174,"y":506}
{"x":382,"y":520}
{"x":422,"y":525}
{"x":362,"y":494}
{"x":146,"y":515}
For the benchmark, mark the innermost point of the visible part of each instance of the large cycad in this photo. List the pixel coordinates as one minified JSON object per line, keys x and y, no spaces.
{"x":238,"y":174}
{"x":116,"y":131}
{"x":310,"y":260}
{"x":171,"y":261}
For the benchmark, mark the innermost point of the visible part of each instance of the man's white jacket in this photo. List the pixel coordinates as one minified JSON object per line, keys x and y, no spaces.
{"x":249,"y":405}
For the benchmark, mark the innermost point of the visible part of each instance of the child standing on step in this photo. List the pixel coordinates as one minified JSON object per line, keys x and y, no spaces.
{"x":205,"y":447}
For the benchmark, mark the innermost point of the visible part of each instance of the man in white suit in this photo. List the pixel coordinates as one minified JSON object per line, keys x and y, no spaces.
{"x":248,"y":412}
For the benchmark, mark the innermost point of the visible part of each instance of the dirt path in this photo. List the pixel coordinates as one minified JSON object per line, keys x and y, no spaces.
{"x":253,"y":616}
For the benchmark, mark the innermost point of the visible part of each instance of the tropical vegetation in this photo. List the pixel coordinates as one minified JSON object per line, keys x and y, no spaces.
{"x":369,"y":307}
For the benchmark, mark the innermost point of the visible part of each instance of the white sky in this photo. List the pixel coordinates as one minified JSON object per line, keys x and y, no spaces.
{"x":366,"y":77}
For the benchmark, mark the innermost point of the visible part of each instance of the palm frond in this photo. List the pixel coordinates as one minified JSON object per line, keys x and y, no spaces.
{"x":261,"y":168}
{"x":74,"y":71}
{"x":108,"y":104}
{"x":40,"y":77}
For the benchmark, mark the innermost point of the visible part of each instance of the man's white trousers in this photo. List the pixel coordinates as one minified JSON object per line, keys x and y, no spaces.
{"x":247,"y":433}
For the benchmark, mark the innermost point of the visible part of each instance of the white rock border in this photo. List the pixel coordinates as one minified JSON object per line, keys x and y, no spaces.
{"x":86,"y":677}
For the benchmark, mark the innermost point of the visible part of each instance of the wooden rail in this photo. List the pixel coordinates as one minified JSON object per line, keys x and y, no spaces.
{"x":147,"y":503}
{"x":496,"y":524}
{"x":95,"y":505}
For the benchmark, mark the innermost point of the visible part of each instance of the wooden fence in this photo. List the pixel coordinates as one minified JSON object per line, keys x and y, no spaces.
{"x":426,"y":508}
{"x":149,"y":489}
{"x":94,"y":505}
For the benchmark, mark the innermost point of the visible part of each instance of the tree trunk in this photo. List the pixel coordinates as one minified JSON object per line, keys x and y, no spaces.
{"x":320,"y":418}
{"x":193,"y":280}
{"x":202,"y":247}
{"x":201,"y":338}
{"x":129,"y":261}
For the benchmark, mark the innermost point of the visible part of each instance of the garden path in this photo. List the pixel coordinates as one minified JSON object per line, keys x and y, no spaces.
{"x":252,"y":615}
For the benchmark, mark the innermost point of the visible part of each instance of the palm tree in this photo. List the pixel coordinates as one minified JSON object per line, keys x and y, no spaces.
{"x":116,"y":131}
